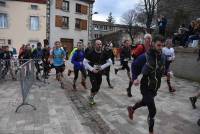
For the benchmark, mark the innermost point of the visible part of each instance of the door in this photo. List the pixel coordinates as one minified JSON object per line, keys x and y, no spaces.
{"x":68,"y":44}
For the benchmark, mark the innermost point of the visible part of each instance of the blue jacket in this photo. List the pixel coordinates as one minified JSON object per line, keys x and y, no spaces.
{"x":77,"y":59}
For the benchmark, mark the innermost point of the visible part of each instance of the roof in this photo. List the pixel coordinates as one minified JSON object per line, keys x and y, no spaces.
{"x":102,"y":23}
{"x":88,"y":1}
{"x":108,"y":23}
{"x":34,"y":1}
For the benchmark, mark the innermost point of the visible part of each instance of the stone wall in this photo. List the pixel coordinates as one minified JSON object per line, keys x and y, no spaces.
{"x":186,"y":65}
{"x":179,"y":12}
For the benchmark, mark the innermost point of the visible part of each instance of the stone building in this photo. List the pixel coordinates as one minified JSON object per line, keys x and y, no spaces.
{"x":179,"y":12}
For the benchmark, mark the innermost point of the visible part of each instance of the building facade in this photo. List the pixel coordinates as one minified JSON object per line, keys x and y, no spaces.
{"x":101,"y":28}
{"x":22,"y":22}
{"x":69,"y":22}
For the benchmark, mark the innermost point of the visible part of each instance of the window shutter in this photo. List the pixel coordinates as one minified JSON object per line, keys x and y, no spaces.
{"x":84,"y":24}
{"x":84,"y":9}
{"x":59,"y":4}
{"x":59,"y":22}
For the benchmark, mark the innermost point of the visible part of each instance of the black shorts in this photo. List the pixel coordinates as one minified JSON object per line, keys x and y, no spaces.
{"x":59,"y":69}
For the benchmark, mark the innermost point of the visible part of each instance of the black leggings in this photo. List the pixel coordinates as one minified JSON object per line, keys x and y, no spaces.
{"x":37,"y":66}
{"x":148,"y":100}
{"x":95,"y":80}
{"x":83,"y":72}
{"x":125,"y":66}
{"x":106,"y":72}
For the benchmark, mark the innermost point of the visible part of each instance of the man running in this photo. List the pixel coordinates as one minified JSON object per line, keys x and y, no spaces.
{"x":46,"y":63}
{"x":139,"y":50}
{"x":96,"y":61}
{"x":7,"y":56}
{"x":108,"y":51}
{"x":57,"y":55}
{"x":151,"y":65}
{"x":168,"y":51}
{"x":125,"y":55}
{"x":194,"y":100}
{"x":70,"y":70}
{"x":77,"y":60}
{"x":37,"y":55}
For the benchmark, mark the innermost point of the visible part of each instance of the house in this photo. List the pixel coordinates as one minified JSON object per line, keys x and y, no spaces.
{"x":22,"y":22}
{"x":70,"y":22}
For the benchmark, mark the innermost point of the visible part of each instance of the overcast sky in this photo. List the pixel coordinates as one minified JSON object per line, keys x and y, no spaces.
{"x":117,"y":7}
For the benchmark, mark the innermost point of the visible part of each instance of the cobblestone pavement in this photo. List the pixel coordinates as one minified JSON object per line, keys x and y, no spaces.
{"x":67,"y":112}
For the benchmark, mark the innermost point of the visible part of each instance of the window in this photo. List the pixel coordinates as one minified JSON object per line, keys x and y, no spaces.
{"x":65,"y":5}
{"x":3,"y":20}
{"x":62,"y":21}
{"x":78,"y":8}
{"x":78,"y":24}
{"x":111,"y":28}
{"x":81,"y":9}
{"x":2,"y":42}
{"x":34,"y":23}
{"x":2,"y":3}
{"x":96,"y":27}
{"x":81,"y":24}
{"x":96,"y":36}
{"x":65,"y":21}
{"x":34,"y":7}
{"x":105,"y":27}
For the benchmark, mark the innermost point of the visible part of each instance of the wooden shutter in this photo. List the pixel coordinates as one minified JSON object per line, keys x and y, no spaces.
{"x":59,"y":4}
{"x":84,"y":9}
{"x":84,"y":24}
{"x":58,"y":20}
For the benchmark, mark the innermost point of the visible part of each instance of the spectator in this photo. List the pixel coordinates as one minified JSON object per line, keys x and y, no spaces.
{"x":162,"y":23}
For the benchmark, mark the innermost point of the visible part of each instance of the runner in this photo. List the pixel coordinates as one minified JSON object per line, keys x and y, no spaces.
{"x":96,"y":61}
{"x":46,"y":63}
{"x":77,"y":60}
{"x":168,"y":51}
{"x":108,"y":51}
{"x":125,"y":55}
{"x":193,"y":100}
{"x":7,"y":56}
{"x":140,"y":49}
{"x":37,"y":55}
{"x":151,"y":65}
{"x":70,"y":66}
{"x":57,"y":56}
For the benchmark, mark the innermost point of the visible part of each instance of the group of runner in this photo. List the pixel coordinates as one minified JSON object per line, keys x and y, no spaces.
{"x":152,"y":59}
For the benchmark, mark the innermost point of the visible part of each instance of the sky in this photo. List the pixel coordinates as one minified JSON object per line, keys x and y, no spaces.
{"x":117,"y":7}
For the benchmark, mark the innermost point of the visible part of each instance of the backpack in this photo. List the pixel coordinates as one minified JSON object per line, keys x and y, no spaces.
{"x":137,"y":51}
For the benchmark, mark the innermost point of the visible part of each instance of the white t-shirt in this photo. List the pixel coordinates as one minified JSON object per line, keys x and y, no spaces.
{"x":169,"y":53}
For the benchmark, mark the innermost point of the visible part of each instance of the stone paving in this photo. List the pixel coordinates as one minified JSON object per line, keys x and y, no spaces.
{"x":67,"y":112}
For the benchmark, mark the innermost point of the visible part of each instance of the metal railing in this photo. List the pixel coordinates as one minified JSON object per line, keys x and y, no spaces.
{"x":27,"y":79}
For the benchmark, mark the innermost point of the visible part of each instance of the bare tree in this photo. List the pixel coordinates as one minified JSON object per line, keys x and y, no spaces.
{"x":150,"y":7}
{"x":129,"y":18}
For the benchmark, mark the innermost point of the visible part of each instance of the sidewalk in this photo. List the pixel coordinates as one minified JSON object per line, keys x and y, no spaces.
{"x":54,"y":115}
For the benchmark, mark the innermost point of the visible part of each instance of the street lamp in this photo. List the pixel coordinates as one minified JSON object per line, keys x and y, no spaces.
{"x":91,"y":27}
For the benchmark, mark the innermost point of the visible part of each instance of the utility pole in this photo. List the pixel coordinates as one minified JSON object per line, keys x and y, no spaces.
{"x":48,"y":20}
